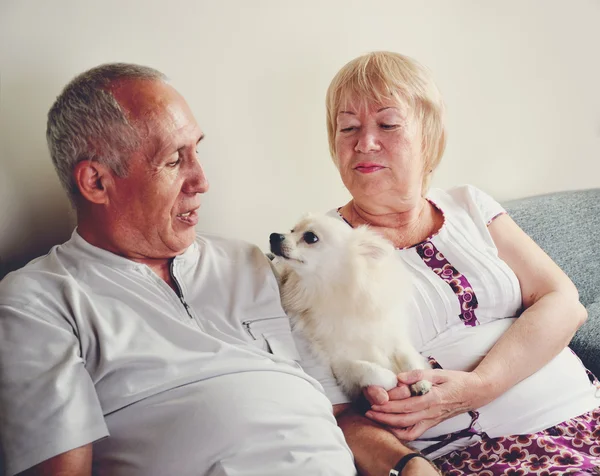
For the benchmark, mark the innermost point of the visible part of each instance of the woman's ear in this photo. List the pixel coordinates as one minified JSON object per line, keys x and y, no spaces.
{"x":92,"y":178}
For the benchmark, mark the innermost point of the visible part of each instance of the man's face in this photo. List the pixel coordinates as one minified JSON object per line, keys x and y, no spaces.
{"x":154,"y":208}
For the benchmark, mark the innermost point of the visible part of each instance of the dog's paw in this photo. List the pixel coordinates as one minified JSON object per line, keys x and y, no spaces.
{"x":421,"y":387}
{"x":382,"y":378}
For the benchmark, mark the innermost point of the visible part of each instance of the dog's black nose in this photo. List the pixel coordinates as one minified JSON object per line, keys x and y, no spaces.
{"x":275,"y":239}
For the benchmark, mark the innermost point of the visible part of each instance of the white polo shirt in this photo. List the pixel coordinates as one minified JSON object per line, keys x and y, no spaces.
{"x":93,"y":344}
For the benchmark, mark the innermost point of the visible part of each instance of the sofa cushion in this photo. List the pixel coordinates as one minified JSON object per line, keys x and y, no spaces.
{"x":567,"y":226}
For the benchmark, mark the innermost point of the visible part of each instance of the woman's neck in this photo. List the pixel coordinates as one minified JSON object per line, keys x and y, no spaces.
{"x":406,"y":218}
{"x":403,"y":228}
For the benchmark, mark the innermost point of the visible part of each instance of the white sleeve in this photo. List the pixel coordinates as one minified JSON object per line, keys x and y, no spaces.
{"x":479,"y":203}
{"x":318,"y":370}
{"x":48,"y":403}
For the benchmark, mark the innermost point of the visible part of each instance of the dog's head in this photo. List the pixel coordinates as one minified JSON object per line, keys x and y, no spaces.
{"x":323,"y":244}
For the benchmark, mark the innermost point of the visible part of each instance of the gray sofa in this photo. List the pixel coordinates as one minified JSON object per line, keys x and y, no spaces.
{"x":567,"y":226}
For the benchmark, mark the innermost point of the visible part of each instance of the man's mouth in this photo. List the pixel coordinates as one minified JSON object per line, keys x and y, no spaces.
{"x":189,"y":217}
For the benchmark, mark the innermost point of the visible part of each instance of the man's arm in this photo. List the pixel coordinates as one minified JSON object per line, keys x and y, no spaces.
{"x":77,"y":462}
{"x":375,"y":449}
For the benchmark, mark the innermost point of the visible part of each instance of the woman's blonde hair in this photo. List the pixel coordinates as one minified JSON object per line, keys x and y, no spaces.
{"x":383,"y":75}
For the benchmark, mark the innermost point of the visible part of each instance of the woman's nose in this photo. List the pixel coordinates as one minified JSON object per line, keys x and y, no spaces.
{"x":367,"y":142}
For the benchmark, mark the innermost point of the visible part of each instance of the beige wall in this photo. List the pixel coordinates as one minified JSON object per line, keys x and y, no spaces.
{"x":521,"y":80}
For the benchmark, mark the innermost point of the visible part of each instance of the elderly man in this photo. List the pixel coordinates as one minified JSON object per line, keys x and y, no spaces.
{"x":138,"y":347}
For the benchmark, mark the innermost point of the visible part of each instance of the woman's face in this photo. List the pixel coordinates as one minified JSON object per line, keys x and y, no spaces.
{"x":378,"y":148}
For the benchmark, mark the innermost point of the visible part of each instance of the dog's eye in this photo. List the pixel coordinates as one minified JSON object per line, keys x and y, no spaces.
{"x":310,"y":238}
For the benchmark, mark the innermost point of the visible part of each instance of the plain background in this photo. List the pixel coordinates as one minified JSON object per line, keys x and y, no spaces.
{"x":521,"y":79}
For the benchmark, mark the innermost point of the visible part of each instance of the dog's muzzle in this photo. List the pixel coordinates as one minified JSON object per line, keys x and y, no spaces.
{"x":275,"y":240}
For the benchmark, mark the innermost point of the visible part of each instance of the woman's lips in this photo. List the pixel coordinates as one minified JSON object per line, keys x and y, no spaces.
{"x":368,"y":168}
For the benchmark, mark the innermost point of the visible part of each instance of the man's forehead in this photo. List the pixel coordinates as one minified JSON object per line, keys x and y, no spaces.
{"x":142,"y":97}
{"x":160,"y":114}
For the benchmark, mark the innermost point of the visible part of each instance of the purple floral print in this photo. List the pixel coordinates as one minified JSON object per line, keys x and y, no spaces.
{"x":571,"y":447}
{"x":438,"y":263}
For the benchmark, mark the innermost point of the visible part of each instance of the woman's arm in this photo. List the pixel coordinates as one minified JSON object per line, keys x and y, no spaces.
{"x":552,"y":315}
{"x":375,"y":449}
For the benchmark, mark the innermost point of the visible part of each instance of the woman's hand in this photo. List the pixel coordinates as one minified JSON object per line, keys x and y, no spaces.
{"x":408,"y":417}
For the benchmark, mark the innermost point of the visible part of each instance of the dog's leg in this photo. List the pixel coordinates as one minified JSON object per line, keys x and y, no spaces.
{"x":354,"y":375}
{"x":407,"y":358}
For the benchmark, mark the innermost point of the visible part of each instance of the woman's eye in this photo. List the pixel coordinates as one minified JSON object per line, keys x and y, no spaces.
{"x":309,"y":237}
{"x":347,"y":129}
{"x":388,"y":126}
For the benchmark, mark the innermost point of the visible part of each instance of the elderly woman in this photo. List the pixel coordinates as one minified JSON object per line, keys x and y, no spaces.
{"x":491,"y":311}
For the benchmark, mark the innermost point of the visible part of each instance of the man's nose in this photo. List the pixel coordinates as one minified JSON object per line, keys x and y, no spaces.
{"x":197,"y":181}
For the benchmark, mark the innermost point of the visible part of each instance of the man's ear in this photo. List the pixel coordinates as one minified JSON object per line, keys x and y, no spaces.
{"x":92,"y":178}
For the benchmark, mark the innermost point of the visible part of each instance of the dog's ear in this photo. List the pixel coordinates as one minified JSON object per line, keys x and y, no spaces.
{"x":371,"y":245}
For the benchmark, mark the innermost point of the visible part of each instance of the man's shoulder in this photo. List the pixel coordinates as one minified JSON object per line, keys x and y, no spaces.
{"x":42,"y":273}
{"x":233,"y":254}
{"x":226,"y":246}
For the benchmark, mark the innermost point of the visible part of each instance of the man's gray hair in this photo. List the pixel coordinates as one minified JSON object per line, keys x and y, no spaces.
{"x":87,"y":123}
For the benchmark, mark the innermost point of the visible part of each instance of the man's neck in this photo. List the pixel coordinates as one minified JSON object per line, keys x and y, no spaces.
{"x":101,"y":239}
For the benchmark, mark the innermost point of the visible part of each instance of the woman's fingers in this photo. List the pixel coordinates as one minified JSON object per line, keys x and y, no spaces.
{"x":400,"y":392}
{"x":397,"y":420}
{"x":409,"y":405}
{"x":375,"y":395}
{"x":413,"y":432}
{"x":378,"y":396}
{"x":414,"y":376}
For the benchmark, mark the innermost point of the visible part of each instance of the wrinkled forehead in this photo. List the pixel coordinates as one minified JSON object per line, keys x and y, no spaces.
{"x":371,"y":100}
{"x":157,"y":110}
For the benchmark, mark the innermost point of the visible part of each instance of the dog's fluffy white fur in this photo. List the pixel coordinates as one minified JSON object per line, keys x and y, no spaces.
{"x":347,"y":291}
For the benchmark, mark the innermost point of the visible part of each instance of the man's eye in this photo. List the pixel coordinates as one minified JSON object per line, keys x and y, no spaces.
{"x":174,"y":163}
{"x":309,"y":237}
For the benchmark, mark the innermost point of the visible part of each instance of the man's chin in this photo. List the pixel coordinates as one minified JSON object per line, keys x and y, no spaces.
{"x":184,"y":240}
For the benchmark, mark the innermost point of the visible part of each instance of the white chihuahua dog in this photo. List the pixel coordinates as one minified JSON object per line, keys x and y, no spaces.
{"x":347,"y":291}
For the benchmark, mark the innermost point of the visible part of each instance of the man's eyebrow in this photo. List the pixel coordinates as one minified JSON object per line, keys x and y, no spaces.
{"x":197,"y":142}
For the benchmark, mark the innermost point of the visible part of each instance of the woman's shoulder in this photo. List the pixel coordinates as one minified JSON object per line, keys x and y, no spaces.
{"x":469,"y":198}
{"x":461,"y":193}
